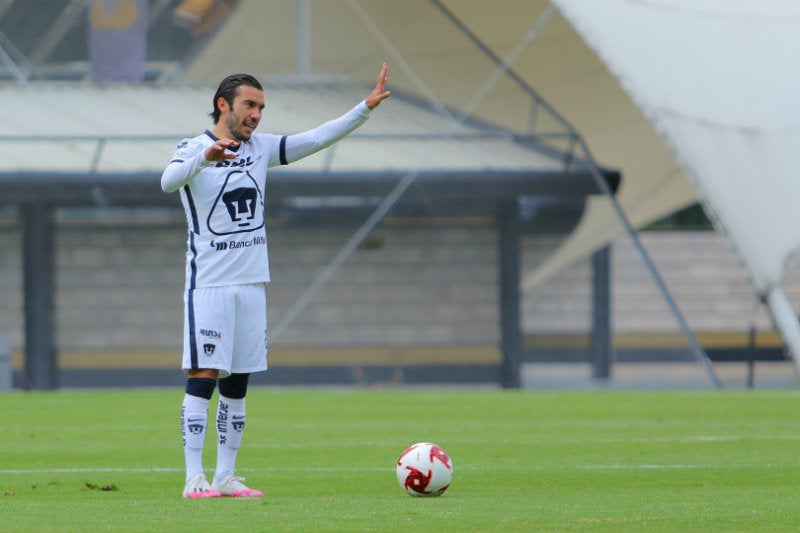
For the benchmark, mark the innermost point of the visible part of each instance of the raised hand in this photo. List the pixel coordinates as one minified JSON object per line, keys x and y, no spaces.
{"x":379,"y":93}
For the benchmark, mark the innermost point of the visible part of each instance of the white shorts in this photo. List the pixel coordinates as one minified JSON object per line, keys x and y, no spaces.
{"x":225,"y":328}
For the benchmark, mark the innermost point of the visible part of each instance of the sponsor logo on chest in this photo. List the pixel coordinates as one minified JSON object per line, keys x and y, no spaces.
{"x":243,"y":162}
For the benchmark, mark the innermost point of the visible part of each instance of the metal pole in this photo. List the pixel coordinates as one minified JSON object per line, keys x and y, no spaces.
{"x":6,"y":382}
{"x":41,"y":371}
{"x":602,"y":347}
{"x":509,"y":251}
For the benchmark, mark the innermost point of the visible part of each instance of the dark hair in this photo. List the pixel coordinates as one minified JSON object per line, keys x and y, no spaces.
{"x":228,"y":88}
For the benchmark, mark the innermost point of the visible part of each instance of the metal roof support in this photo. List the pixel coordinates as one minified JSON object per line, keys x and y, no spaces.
{"x":694,"y":346}
{"x":8,"y":61}
{"x":342,"y":255}
{"x":591,"y":166}
{"x":527,"y":39}
{"x":69,"y":17}
{"x":400,"y":61}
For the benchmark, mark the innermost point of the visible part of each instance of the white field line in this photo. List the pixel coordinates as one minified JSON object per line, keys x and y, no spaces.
{"x":531,"y":468}
{"x":538,"y":439}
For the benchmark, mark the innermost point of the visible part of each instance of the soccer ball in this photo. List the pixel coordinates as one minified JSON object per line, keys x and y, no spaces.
{"x":424,"y":469}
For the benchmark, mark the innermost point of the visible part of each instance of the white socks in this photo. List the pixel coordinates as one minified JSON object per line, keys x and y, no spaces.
{"x":194,"y":420}
{"x":230,"y":426}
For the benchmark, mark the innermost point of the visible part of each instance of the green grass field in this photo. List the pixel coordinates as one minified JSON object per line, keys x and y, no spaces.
{"x":605,"y":461}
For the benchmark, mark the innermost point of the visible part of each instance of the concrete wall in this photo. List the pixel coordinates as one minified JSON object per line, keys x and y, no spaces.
{"x":120,"y":289}
{"x":699,"y":268}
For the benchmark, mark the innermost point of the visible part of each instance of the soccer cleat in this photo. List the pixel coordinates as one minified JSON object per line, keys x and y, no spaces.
{"x":232,"y":486}
{"x":198,"y":487}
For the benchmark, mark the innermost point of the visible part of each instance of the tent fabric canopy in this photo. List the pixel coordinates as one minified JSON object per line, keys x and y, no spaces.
{"x":717,"y":79}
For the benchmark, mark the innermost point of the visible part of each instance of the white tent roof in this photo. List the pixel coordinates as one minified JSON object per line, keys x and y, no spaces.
{"x":718,"y":80}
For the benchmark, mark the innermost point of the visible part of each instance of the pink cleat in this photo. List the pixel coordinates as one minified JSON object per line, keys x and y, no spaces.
{"x":233,"y":487}
{"x":198,"y":487}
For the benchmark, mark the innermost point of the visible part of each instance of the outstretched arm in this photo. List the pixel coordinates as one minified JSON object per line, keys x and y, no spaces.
{"x":304,"y":144}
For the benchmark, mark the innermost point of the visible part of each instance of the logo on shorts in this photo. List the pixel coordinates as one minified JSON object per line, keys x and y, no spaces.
{"x":209,"y":348}
{"x":211,"y":333}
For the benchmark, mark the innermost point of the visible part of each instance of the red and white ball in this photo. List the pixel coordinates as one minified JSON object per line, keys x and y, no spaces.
{"x":424,"y":469}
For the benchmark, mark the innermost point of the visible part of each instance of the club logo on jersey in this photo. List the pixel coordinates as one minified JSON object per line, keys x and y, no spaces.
{"x":209,"y":348}
{"x":239,"y":206}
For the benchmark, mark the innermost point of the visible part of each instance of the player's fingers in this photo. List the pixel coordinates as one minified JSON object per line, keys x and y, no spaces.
{"x":216,"y":152}
{"x":382,"y":77}
{"x":226,"y":144}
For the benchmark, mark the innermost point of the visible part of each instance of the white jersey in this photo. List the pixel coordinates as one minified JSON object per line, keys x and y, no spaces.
{"x":224,"y":206}
{"x":224,"y":200}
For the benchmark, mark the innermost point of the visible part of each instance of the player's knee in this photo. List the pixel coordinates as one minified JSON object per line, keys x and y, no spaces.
{"x":212,"y":373}
{"x":200,"y":387}
{"x":234,"y":386}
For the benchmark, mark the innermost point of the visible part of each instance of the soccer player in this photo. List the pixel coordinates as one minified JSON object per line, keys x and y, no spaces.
{"x":221,"y":176}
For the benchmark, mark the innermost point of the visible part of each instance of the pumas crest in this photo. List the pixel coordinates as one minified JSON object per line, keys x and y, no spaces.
{"x":239,"y":206}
